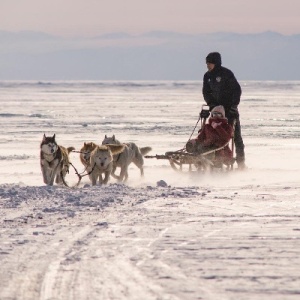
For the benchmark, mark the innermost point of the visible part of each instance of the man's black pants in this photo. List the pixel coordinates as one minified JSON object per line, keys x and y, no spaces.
{"x":238,"y":140}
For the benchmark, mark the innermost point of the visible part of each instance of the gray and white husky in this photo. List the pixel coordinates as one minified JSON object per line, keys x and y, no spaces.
{"x":131,"y":154}
{"x":54,"y":160}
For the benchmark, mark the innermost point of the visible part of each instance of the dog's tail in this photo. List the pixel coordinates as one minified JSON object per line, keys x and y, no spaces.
{"x":69,"y":149}
{"x":145,"y":150}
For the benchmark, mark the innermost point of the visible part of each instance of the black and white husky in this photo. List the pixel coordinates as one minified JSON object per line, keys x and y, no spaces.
{"x":54,"y":160}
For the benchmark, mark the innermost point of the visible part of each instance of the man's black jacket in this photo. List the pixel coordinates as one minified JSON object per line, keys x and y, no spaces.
{"x":220,"y":87}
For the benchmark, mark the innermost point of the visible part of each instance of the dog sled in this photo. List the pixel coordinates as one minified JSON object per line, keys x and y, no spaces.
{"x":185,"y":160}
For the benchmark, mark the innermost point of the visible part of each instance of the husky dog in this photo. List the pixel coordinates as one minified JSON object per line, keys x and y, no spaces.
{"x":131,"y":154}
{"x":101,"y":161}
{"x":54,"y":160}
{"x":85,"y":153}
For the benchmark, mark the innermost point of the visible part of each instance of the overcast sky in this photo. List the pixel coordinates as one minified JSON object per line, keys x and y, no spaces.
{"x":94,"y":17}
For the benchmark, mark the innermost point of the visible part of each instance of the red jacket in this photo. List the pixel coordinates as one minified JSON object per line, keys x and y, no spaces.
{"x":217,"y":137}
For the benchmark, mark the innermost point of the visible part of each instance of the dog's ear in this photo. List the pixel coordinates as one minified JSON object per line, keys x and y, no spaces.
{"x":44,"y":137}
{"x":53,"y":137}
{"x":84,"y":144}
{"x":113,"y":137}
{"x":105,"y":137}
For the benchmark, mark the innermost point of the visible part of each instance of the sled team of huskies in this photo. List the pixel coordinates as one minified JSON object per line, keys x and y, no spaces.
{"x":100,"y":161}
{"x":210,"y":151}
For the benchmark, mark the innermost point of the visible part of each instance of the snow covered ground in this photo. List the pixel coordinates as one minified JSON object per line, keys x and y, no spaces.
{"x":221,"y":236}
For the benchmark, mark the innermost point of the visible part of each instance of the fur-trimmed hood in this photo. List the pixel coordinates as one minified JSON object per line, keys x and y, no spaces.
{"x":219,"y":109}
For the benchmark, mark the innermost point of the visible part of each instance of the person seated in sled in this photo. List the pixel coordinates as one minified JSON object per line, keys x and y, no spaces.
{"x":213,"y":135}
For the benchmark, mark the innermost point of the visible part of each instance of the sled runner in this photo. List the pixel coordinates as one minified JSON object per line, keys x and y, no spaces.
{"x":216,"y":158}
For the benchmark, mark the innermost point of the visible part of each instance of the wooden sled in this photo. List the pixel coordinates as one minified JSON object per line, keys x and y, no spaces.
{"x":212,"y":160}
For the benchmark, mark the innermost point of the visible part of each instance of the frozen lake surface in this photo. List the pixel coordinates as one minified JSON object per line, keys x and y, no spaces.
{"x":222,"y":236}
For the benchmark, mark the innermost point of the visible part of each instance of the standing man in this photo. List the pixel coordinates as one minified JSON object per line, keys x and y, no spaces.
{"x":220,"y":87}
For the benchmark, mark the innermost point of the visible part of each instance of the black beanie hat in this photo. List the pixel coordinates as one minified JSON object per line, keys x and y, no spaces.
{"x":214,"y":58}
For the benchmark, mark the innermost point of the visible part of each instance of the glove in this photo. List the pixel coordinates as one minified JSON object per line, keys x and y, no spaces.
{"x":204,"y":114}
{"x":215,"y":124}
